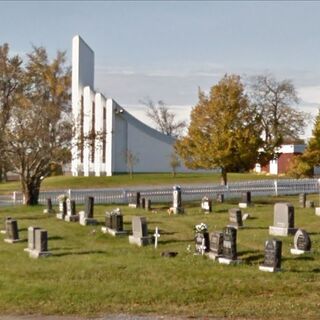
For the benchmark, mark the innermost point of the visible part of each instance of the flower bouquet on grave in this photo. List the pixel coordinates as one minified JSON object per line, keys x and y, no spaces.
{"x":62,"y":197}
{"x":115,"y":212}
{"x":201,"y":228}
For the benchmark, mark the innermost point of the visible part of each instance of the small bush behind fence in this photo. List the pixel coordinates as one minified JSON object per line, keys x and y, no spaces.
{"x":189,"y":193}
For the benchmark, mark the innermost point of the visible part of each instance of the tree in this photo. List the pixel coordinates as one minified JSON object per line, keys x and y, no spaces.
{"x":164,"y":119}
{"x":174,"y":163}
{"x":224,"y":131}
{"x":38,"y":130}
{"x":132,"y":160}
{"x":274,"y":101}
{"x":304,"y":164}
{"x":11,"y":74}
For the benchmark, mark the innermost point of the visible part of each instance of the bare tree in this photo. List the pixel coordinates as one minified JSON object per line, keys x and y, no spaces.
{"x":132,"y":160}
{"x":164,"y":119}
{"x":174,"y":163}
{"x":274,"y":101}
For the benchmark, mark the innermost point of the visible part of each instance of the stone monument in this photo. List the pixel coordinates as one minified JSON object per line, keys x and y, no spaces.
{"x":283,"y":220}
{"x":114,"y":223}
{"x":140,"y":235}
{"x":301,"y":242}
{"x":216,"y":245}
{"x":272,"y":256}
{"x":86,"y":216}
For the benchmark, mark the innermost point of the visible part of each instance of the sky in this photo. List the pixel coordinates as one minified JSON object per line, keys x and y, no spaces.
{"x":166,"y":50}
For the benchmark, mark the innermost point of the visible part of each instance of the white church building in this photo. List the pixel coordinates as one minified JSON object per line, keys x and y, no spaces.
{"x":105,"y":133}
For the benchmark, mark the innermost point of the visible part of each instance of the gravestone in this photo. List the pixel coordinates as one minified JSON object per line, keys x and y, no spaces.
{"x":31,"y":238}
{"x":6,"y":219}
{"x":235,"y":217}
{"x":71,"y":211}
{"x":148,"y":205}
{"x":309,"y":204}
{"x":114,"y":223}
{"x":40,"y":244}
{"x":86,"y":216}
{"x":143,"y":203}
{"x":136,"y":201}
{"x":49,"y":208}
{"x":245,"y":199}
{"x":216,"y":245}
{"x":156,"y":235}
{"x":62,"y":209}
{"x":220,"y":197}
{"x":177,"y":201}
{"x":206,"y":205}
{"x":302,"y":200}
{"x":202,"y":243}
{"x":140,"y":235}
{"x":230,"y":255}
{"x":301,"y":242}
{"x":12,"y":231}
{"x":283,"y":220}
{"x":272,"y":256}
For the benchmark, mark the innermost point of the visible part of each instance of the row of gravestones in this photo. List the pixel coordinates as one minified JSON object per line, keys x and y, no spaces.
{"x":37,"y":238}
{"x":222,"y":246}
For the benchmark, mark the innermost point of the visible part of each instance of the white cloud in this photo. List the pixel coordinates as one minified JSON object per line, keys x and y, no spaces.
{"x":310,"y":94}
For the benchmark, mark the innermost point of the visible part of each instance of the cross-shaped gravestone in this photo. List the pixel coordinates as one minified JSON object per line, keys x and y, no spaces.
{"x":156,"y":236}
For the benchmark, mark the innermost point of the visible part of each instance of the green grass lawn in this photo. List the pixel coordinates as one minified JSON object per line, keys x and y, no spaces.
{"x":90,"y":273}
{"x":120,"y":180}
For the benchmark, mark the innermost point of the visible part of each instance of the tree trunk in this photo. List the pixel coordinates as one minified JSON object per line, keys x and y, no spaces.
{"x":30,"y":191}
{"x":224,"y":178}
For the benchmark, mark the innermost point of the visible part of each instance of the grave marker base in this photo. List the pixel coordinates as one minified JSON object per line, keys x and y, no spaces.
{"x":244,"y":205}
{"x":213,"y":256}
{"x":74,"y":218}
{"x":317,"y":211}
{"x":12,"y":240}
{"x":37,"y":254}
{"x":114,"y":232}
{"x":235,"y":226}
{"x":47,"y":211}
{"x":176,"y":210}
{"x":132,"y":205}
{"x":268,"y":269}
{"x":229,"y":261}
{"x":144,"y":241}
{"x":60,"y":216}
{"x":298,"y":252}
{"x":280,"y":231}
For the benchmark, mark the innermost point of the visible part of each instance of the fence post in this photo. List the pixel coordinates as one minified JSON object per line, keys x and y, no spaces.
{"x":276,"y":187}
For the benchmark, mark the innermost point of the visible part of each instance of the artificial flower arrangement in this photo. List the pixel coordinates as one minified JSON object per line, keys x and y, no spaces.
{"x":201,"y":228}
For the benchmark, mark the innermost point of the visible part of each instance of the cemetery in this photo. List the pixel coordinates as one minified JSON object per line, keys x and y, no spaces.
{"x":172,"y":264}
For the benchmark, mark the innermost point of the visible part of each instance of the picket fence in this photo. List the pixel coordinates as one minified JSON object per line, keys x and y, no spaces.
{"x":189,"y":193}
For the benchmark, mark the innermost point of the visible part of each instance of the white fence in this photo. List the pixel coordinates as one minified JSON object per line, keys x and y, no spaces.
{"x":189,"y":193}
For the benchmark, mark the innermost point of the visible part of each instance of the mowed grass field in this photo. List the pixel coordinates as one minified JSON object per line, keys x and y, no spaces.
{"x":90,"y":273}
{"x":138,"y":179}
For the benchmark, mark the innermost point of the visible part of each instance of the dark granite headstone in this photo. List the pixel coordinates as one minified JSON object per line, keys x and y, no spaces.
{"x":143,"y":203}
{"x":114,"y":220}
{"x":49,"y":205}
{"x":230,"y":243}
{"x":302,"y":240}
{"x":88,"y":207}
{"x":216,"y":243}
{"x":246,"y":197}
{"x":12,"y":230}
{"x":137,"y":198}
{"x":272,"y":255}
{"x":41,"y":240}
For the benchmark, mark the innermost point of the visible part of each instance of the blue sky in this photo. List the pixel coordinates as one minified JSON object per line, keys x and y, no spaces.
{"x":166,"y":50}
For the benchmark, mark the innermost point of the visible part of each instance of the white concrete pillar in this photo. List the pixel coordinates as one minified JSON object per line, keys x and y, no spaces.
{"x":111,"y":105}
{"x":100,"y":102}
